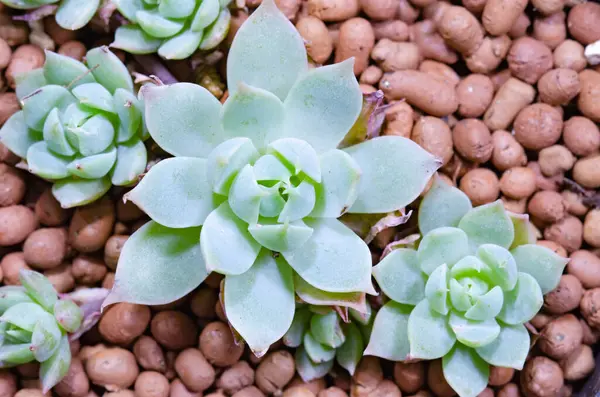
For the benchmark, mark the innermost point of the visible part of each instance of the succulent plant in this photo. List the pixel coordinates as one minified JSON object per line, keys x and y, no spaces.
{"x":321,"y":338}
{"x":173,"y":28}
{"x":35,"y":326}
{"x":465,"y":293}
{"x":80,"y":127}
{"x":257,"y":184}
{"x":70,"y":14}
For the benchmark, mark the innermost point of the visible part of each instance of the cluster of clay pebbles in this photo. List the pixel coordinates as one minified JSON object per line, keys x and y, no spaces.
{"x":505,"y":92}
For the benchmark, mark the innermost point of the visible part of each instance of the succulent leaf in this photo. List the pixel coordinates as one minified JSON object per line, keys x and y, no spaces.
{"x":28,"y":82}
{"x":300,"y":202}
{"x":133,"y":39}
{"x":39,"y":103}
{"x":390,"y":345}
{"x":444,"y":245}
{"x":75,"y":14}
{"x":315,"y":296}
{"x":523,"y":302}
{"x":524,"y":232}
{"x":23,"y":315}
{"x":542,"y":263}
{"x":38,"y":288}
{"x":509,"y":349}
{"x":317,"y":352}
{"x":55,"y":137}
{"x":326,"y":329}
{"x":298,"y":155}
{"x":226,"y":161}
{"x":436,"y":289}
{"x":400,"y":278}
{"x":216,"y":32}
{"x":280,"y":237}
{"x":132,"y":158}
{"x":245,"y":196}
{"x":64,"y":70}
{"x":176,"y":8}
{"x":443,"y":205}
{"x":426,"y":325}
{"x":10,"y":295}
{"x":41,"y":161}
{"x":473,"y":333}
{"x":95,"y":96}
{"x":501,"y":266}
{"x":350,"y":352}
{"x":465,"y":372}
{"x":75,"y":192}
{"x":180,"y":46}
{"x":57,"y":366}
{"x":68,"y":315}
{"x":206,"y":14}
{"x":309,"y":370}
{"x":295,"y":334}
{"x":108,"y":69}
{"x":15,"y":354}
{"x":488,"y":224}
{"x":486,"y":306}
{"x":17,"y":136}
{"x":45,"y":339}
{"x":94,"y":166}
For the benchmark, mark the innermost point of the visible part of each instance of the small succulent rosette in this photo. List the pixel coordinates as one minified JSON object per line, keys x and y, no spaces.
{"x":35,"y":326}
{"x":69,"y":14}
{"x":465,"y":293}
{"x":322,"y":338}
{"x":257,"y":185}
{"x":80,"y":126}
{"x":174,"y":29}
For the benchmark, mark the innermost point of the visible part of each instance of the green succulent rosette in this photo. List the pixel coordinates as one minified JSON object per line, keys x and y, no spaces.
{"x":80,"y":126}
{"x":465,"y":293}
{"x":174,"y":29}
{"x":258,"y":183}
{"x":70,"y":14}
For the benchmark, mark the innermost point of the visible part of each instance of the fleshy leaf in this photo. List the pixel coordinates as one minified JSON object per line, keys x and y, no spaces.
{"x":55,"y":368}
{"x":253,"y":113}
{"x":274,"y":67}
{"x":271,"y":202}
{"x":95,"y":166}
{"x":175,"y":193}
{"x":94,"y":136}
{"x":349,"y":354}
{"x":524,"y":232}
{"x":323,"y":105}
{"x":158,"y":265}
{"x":129,"y":110}
{"x":523,"y":302}
{"x":131,"y":163}
{"x":465,"y":372}
{"x":269,"y":168}
{"x":488,"y":224}
{"x":226,"y":160}
{"x":280,"y":237}
{"x":217,"y":31}
{"x":443,"y":245}
{"x":473,"y":333}
{"x":54,"y":135}
{"x":308,"y":370}
{"x":469,"y":266}
{"x":486,"y":306}
{"x":317,"y":352}
{"x":156,"y":25}
{"x":183,"y":119}
{"x":326,"y":329}
{"x":15,"y":354}
{"x":38,"y":288}
{"x":314,"y":296}
{"x":299,"y":155}
{"x":443,"y":205}
{"x":389,"y":338}
{"x":46,"y":337}
{"x":400,"y":278}
{"x":260,"y":302}
{"x":108,"y":69}
{"x":227,"y":246}
{"x":460,"y":298}
{"x":395,"y":171}
{"x":17,"y":136}
{"x":75,"y":14}
{"x":540,"y":262}
{"x":24,"y":315}
{"x":300,"y":202}
{"x":75,"y":192}
{"x":424,"y":326}
{"x":64,"y":70}
{"x":509,"y":349}
{"x":181,"y":46}
{"x":10,"y":295}
{"x":436,"y":289}
{"x":38,"y":104}
{"x":206,"y":14}
{"x":95,"y":96}
{"x":28,"y":82}
{"x":334,"y":258}
{"x":340,"y":177}
{"x":176,"y":8}
{"x":294,"y":335}
{"x":501,"y":266}
{"x":68,"y":315}
{"x":245,"y":196}
{"x":46,"y":164}
{"x":133,"y":39}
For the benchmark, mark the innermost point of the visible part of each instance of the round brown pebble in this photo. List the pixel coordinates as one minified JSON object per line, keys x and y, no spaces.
{"x":433,"y":135}
{"x":475,"y":93}
{"x":581,"y":136}
{"x":178,"y":389}
{"x":26,"y":57}
{"x":194,"y":371}
{"x":481,"y":185}
{"x":561,"y":337}
{"x":499,"y":376}
{"x":570,"y":55}
{"x":579,"y":364}
{"x":538,"y":126}
{"x":11,"y":265}
{"x":586,"y":267}
{"x":8,"y":383}
{"x":218,"y":346}
{"x":75,"y":383}
{"x":436,"y":381}
{"x":151,"y":384}
{"x":585,"y":172}
{"x":507,"y":152}
{"x":46,"y":248}
{"x":332,"y":392}
{"x":541,"y":377}
{"x":555,"y":160}
{"x":61,"y":278}
{"x":410,"y":377}
{"x":149,"y":354}
{"x":112,"y":250}
{"x":48,"y":210}
{"x":122,"y":323}
{"x":567,"y":232}
{"x":509,"y":390}
{"x":12,"y":185}
{"x":558,"y":86}
{"x":236,"y":377}
{"x":518,"y":182}
{"x":16,"y":223}
{"x":591,"y":228}
{"x":590,"y":306}
{"x":565,"y":297}
{"x":73,"y":49}
{"x":88,"y":270}
{"x":472,"y":140}
{"x":91,"y":226}
{"x":203,"y":302}
{"x":275,"y":371}
{"x":528,"y":59}
{"x":114,"y":368}
{"x":250,"y":391}
{"x":174,"y":330}
{"x":583,"y":22}
{"x":547,"y":206}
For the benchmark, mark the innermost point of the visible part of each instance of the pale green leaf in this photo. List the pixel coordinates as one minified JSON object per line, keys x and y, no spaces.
{"x":95,"y":96}
{"x":10,"y":295}
{"x":271,"y":201}
{"x":56,"y":368}
{"x":75,"y":192}
{"x":280,"y":237}
{"x":501,"y":266}
{"x":469,"y":266}
{"x":523,"y":302}
{"x":46,"y":337}
{"x":54,"y":135}
{"x":21,"y":4}
{"x":389,"y":338}
{"x":156,"y":25}
{"x":181,"y":46}
{"x":488,"y":224}
{"x":75,"y":14}
{"x":300,"y":202}
{"x":443,"y":245}
{"x":64,"y":70}
{"x":269,"y":168}
{"x":226,"y":160}
{"x":217,"y":31}
{"x":74,"y":116}
{"x":176,"y":8}
{"x":327,"y":329}
{"x":133,"y":39}
{"x":298,"y":155}
{"x":334,"y":258}
{"x":395,"y":171}
{"x":524,"y":231}
{"x":308,"y":370}
{"x":459,"y":296}
{"x":486,"y":306}
{"x":158,"y":265}
{"x":17,"y":136}
{"x":93,"y":137}
{"x":509,"y":349}
{"x":267,"y":52}
{"x":38,"y":288}
{"x":24,"y":315}
{"x":295,"y":334}
{"x":473,"y":333}
{"x":399,"y":276}
{"x":108,"y":69}
{"x":443,"y":205}
{"x":38,"y":104}
{"x":175,"y":193}
{"x":183,"y":119}
{"x":68,"y":315}
{"x":227,"y":246}
{"x":317,"y":352}
{"x":351,"y":351}
{"x":465,"y":372}
{"x":206,"y":14}
{"x":28,"y":82}
{"x":542,"y":263}
{"x":12,"y":355}
{"x":259,"y":303}
{"x":129,"y":110}
{"x":436,"y":289}
{"x":245,"y":196}
{"x":314,"y":296}
{"x":425,"y":326}
{"x":94,"y":166}
{"x":46,"y":164}
{"x":131,"y":163}
{"x":128,"y":8}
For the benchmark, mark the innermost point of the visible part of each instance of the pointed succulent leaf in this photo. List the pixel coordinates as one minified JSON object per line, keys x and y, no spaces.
{"x":486,"y":306}
{"x":181,"y":46}
{"x":64,"y":70}
{"x":131,"y":162}
{"x":436,"y":289}
{"x":74,"y":116}
{"x":95,"y":166}
{"x":128,"y":108}
{"x":68,"y":315}
{"x":14,"y":335}
{"x":400,"y":278}
{"x":75,"y":192}
{"x":177,"y":8}
{"x":323,"y":105}
{"x":12,"y":355}
{"x":156,"y":25}
{"x":443,"y":205}
{"x":23,"y":315}
{"x":216,"y":32}
{"x":206,"y":14}
{"x":95,"y":96}
{"x":334,"y":258}
{"x":38,"y":104}
{"x":108,"y":69}
{"x":16,"y":135}
{"x":501,"y":266}
{"x":459,"y":296}
{"x":169,"y":259}
{"x":226,"y":160}
{"x":274,"y":67}
{"x":317,"y":352}
{"x":509,"y":349}
{"x":75,"y":14}
{"x":271,"y":202}
{"x":227,"y":246}
{"x":327,"y":329}
{"x":133,"y":39}
{"x":469,"y":266}
{"x":94,"y":136}
{"x":307,"y":369}
{"x":351,"y":351}
{"x":280,"y":237}
{"x":298,"y":155}
{"x":465,"y":371}
{"x":300,"y":202}
{"x":54,"y":135}
{"x":395,"y":171}
{"x":523,"y":302}
{"x":473,"y":333}
{"x":267,"y":287}
{"x":314,"y":296}
{"x":10,"y":295}
{"x":269,"y":168}
{"x":38,"y":288}
{"x":28,"y":82}
{"x":424,"y":326}
{"x":542,"y":263}
{"x":524,"y":232}
{"x":46,"y":337}
{"x":183,"y":119}
{"x":295,"y":334}
{"x":245,"y":196}
{"x":175,"y":193}
{"x":46,"y":164}
{"x":57,"y":366}
{"x":128,"y":8}
{"x":389,"y":338}
{"x":363,"y":316}
{"x":252,"y":113}
{"x":443,"y":245}
{"x":340,"y":177}
{"x":488,"y":224}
